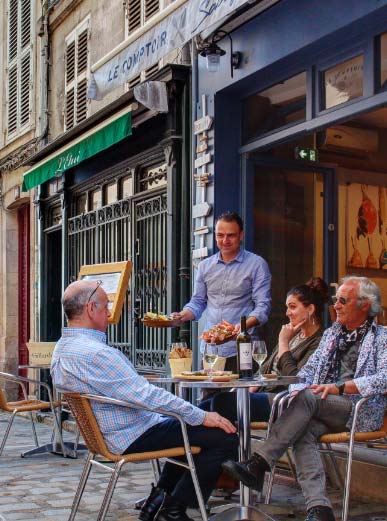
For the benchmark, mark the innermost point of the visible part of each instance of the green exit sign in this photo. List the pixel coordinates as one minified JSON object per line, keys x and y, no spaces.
{"x":307,"y":154}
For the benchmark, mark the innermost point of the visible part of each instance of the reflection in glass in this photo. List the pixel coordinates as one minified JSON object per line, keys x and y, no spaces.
{"x":280,"y":105}
{"x":111,"y":193}
{"x":343,"y":82}
{"x":288,"y":224}
{"x":96,"y":199}
{"x":127,"y":187}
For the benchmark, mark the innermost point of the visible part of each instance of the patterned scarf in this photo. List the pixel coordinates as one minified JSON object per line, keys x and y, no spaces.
{"x":345,"y":340}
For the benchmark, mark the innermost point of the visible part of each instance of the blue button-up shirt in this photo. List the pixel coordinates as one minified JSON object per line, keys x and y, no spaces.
{"x":82,"y":362}
{"x":229,"y":290}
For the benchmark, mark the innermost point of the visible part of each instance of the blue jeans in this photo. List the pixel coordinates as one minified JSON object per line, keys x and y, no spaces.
{"x":216,"y":445}
{"x":300,"y":425}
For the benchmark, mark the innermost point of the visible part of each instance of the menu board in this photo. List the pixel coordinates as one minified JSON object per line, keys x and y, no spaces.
{"x":115,"y":279}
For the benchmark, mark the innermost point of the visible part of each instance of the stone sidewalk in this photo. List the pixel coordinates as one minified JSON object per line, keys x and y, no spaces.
{"x":42,"y":487}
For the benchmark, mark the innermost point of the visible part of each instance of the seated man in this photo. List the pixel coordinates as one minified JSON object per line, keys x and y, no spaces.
{"x":83,"y":362}
{"x":349,"y":363}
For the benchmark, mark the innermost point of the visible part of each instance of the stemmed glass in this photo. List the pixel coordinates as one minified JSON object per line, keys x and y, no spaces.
{"x":259,"y":354}
{"x":210,"y":356}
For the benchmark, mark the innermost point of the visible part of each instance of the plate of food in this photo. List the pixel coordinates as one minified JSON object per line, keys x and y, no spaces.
{"x":217,"y":376}
{"x":158,"y":320}
{"x":220,"y":333}
{"x":270,"y":376}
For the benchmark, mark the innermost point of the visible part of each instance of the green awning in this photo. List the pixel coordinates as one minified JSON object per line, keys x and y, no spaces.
{"x":64,"y":159}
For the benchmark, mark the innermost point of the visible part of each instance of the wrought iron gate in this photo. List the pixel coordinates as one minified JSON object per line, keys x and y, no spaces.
{"x":132,"y":229}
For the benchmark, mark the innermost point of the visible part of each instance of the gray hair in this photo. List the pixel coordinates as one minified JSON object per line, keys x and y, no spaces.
{"x":75,"y":302}
{"x":367,"y":290}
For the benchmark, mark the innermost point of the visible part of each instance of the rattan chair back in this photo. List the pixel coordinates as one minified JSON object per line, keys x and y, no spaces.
{"x":83,"y":414}
{"x":3,"y":400}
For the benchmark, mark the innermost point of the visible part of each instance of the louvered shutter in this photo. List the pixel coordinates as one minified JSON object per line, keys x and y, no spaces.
{"x":76,"y":75}
{"x":151,"y":7}
{"x":19,"y":57}
{"x":134,"y":15}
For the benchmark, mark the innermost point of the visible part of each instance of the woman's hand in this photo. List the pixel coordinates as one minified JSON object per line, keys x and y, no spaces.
{"x":288,"y":331}
{"x":253,"y":389}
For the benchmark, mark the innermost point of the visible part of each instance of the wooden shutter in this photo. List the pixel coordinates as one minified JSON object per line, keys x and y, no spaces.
{"x":76,"y":73}
{"x":19,"y":57}
{"x":151,"y":8}
{"x":134,"y":15}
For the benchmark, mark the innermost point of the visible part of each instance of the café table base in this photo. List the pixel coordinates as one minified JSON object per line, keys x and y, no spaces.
{"x":71,"y":449}
{"x":240,"y":513}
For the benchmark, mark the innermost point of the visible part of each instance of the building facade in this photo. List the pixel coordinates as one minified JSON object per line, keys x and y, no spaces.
{"x":298,"y":138}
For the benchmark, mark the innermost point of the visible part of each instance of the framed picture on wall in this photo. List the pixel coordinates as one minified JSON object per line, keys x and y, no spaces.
{"x":366,"y":226}
{"x":114,"y":279}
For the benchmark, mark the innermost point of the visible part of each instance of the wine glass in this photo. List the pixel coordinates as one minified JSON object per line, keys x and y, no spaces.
{"x":259,"y":354}
{"x":210,"y":356}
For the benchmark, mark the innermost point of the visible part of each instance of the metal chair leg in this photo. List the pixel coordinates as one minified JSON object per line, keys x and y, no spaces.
{"x":348,"y":476}
{"x":7,"y":431}
{"x":34,"y":429}
{"x":156,"y":469}
{"x":81,"y":486}
{"x":109,"y":491}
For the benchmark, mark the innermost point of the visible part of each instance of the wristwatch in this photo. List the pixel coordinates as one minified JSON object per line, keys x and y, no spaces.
{"x":341,"y":388}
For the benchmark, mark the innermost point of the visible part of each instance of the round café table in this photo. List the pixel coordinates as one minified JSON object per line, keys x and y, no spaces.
{"x":244,"y":510}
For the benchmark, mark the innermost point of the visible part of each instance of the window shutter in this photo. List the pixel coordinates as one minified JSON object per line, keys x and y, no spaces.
{"x":25,"y":89}
{"x":134,"y":15}
{"x":76,"y":71}
{"x":12,"y":99}
{"x":151,"y":8}
{"x":19,"y":66}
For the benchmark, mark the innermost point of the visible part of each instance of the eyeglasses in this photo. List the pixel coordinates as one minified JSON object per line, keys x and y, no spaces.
{"x":99,"y":282}
{"x":344,"y":300}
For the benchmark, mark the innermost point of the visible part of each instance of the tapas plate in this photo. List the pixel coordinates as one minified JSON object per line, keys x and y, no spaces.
{"x":159,"y":323}
{"x":203,"y":378}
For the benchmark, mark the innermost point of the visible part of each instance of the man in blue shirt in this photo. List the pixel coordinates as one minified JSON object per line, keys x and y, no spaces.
{"x":83,"y":362}
{"x":230,"y":284}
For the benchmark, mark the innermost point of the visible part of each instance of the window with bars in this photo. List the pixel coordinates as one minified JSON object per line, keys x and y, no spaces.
{"x":76,"y":75}
{"x":19,"y":66}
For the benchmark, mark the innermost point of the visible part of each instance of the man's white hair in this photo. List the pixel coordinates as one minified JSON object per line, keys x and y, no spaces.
{"x":367,"y":290}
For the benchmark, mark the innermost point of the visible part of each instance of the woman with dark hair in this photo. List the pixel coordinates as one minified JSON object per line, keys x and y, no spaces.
{"x":297,"y":340}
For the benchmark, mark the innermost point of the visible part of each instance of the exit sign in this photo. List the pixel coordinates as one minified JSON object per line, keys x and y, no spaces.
{"x":307,"y":154}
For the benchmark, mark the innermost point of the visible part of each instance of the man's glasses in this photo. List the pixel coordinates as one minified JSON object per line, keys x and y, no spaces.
{"x":99,"y":282}
{"x":344,"y":300}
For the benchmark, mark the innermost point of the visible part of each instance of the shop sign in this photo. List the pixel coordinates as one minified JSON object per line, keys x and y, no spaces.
{"x":203,"y":160}
{"x":202,"y":124}
{"x":201,"y":210}
{"x":307,"y":154}
{"x":176,"y":29}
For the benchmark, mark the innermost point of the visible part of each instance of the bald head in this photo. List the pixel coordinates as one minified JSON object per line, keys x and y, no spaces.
{"x":76,"y":296}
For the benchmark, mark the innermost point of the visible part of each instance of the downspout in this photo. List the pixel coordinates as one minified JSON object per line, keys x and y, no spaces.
{"x":43,"y":133}
{"x":194,"y":100}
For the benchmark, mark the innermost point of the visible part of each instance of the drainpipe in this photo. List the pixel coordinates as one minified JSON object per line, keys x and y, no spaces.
{"x":194,"y":100}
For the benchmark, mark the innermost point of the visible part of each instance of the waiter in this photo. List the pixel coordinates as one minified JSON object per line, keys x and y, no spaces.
{"x":230,"y":284}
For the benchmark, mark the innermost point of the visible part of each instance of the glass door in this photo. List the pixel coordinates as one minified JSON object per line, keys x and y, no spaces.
{"x":290,"y":222}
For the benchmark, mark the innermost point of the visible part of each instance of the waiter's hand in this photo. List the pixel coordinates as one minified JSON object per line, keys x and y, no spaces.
{"x":213,"y":419}
{"x":324,"y":389}
{"x":183,"y":316}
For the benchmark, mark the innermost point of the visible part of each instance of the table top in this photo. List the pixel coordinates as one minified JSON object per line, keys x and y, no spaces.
{"x":242,"y":383}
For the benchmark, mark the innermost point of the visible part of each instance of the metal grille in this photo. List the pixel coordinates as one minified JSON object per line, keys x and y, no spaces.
{"x":105,"y":235}
{"x":150,"y":271}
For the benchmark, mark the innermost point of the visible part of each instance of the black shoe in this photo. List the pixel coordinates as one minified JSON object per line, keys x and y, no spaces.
{"x":153,"y":504}
{"x":320,"y":513}
{"x":173,"y":511}
{"x":250,"y":472}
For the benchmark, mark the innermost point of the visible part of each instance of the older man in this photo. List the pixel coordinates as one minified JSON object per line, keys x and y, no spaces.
{"x":350,"y":363}
{"x":83,"y":362}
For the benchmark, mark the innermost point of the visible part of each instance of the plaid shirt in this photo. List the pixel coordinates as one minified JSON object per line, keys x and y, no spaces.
{"x":83,"y":362}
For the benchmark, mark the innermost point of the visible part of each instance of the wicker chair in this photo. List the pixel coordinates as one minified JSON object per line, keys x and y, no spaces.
{"x":27,"y":405}
{"x":82,"y":412}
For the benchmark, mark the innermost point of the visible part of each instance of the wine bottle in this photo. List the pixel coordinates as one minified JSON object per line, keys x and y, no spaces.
{"x":244,"y":358}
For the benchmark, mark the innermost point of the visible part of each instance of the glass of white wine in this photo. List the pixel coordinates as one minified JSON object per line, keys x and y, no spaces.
{"x":210,"y":356}
{"x":259,"y":354}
